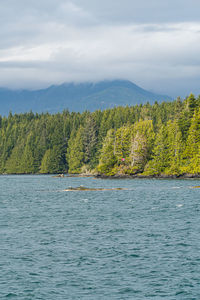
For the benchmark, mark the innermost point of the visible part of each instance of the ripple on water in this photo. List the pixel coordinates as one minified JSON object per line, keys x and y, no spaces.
{"x":142,"y":243}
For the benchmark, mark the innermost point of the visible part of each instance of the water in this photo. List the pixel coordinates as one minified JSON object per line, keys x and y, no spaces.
{"x":140,"y":243}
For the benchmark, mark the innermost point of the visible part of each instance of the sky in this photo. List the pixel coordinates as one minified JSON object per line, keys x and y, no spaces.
{"x":154,"y":43}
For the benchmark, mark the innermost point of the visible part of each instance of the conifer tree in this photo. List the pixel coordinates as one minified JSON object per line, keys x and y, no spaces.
{"x":141,"y":144}
{"x":75,"y":152}
{"x":122,"y":144}
{"x":14,"y":162}
{"x":175,"y":148}
{"x":108,"y":158}
{"x":191,"y":153}
{"x":160,"y":154}
{"x":52,"y":161}
{"x":89,"y":139}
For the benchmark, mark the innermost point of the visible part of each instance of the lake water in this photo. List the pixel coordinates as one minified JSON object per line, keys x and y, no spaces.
{"x":140,"y":243}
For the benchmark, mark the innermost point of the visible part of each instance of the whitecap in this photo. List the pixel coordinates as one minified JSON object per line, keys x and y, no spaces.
{"x":85,"y":200}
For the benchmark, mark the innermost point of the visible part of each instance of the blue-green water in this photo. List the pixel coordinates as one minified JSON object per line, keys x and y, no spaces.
{"x":141,"y":243}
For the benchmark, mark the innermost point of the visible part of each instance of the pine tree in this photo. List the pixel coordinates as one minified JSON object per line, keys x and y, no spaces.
{"x":122,"y":144}
{"x":141,"y":145}
{"x":14,"y":162}
{"x":89,"y":139}
{"x":52,"y":161}
{"x":175,"y":148}
{"x":75,"y":152}
{"x":108,"y":159}
{"x":160,"y":154}
{"x":191,"y":153}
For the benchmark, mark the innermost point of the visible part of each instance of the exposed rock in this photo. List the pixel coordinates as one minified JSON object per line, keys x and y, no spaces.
{"x":59,"y":176}
{"x":83,"y":188}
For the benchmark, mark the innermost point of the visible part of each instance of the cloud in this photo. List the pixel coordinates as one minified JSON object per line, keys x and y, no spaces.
{"x":143,"y":11}
{"x":50,"y":42}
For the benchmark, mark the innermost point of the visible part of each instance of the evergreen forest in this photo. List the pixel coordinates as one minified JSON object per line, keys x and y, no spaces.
{"x":163,"y":138}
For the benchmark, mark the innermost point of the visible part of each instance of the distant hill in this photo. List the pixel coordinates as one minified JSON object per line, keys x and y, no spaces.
{"x":76,"y":97}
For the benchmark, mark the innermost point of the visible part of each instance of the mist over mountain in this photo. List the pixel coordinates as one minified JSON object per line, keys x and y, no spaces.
{"x":76,"y":97}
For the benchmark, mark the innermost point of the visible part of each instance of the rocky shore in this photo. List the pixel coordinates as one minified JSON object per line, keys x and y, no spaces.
{"x":135,"y":176}
{"x":138,"y":176}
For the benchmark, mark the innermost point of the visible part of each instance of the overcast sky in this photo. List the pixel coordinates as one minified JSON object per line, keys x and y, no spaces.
{"x":154,"y":43}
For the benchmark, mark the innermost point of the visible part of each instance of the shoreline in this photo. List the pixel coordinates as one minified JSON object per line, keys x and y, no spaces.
{"x":161,"y":176}
{"x":116,"y":176}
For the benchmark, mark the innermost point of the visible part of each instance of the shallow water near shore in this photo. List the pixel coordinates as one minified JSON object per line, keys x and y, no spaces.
{"x":138,"y":243}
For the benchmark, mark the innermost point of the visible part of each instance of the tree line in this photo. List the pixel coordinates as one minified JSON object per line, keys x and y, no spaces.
{"x":163,"y":138}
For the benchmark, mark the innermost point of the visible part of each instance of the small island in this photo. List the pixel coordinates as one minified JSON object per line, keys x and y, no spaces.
{"x":83,"y":188}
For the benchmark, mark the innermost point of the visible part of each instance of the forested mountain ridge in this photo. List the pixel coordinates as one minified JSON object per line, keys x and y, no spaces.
{"x":143,"y":139}
{"x":76,"y":97}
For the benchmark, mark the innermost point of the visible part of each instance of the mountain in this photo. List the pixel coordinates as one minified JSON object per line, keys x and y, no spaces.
{"x":76,"y":97}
